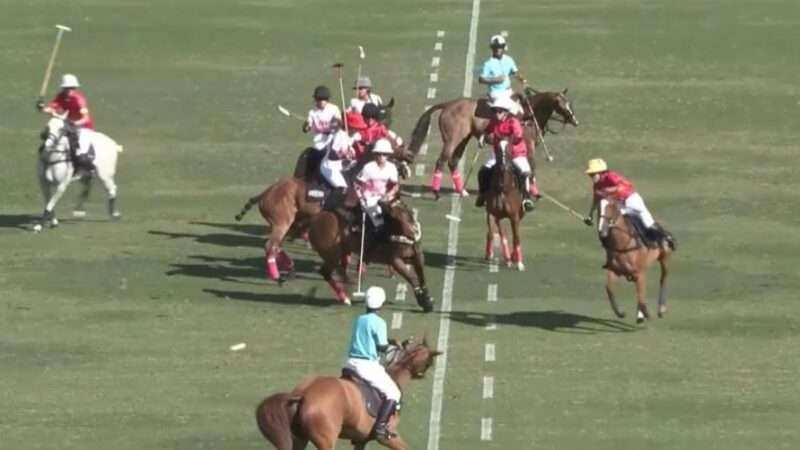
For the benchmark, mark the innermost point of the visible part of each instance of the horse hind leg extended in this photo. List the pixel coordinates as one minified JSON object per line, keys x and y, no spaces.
{"x":517,"y":256}
{"x":86,"y":187}
{"x":611,"y":278}
{"x":111,"y":190}
{"x":662,"y":285}
{"x":642,"y":313}
{"x":272,"y":250}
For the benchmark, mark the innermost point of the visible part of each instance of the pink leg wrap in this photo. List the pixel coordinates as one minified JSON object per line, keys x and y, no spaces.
{"x":272,"y":269}
{"x":534,"y":187}
{"x":338,"y":290}
{"x":518,"y":253}
{"x":285,"y":262}
{"x":458,"y":183}
{"x":489,"y":247}
{"x":436,"y":183}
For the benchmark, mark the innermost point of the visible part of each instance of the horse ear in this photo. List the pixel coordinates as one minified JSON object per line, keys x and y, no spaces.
{"x":436,"y":353}
{"x":565,"y":91}
{"x":391,"y":103}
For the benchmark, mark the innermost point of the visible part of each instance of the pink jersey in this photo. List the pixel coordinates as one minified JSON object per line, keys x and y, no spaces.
{"x":74,"y":103}
{"x":613,"y":179}
{"x":376,"y":180}
{"x":509,"y":129}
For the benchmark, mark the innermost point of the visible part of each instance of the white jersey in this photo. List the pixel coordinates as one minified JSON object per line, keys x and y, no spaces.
{"x":376,"y":180}
{"x":319,"y":121}
{"x":356,"y":104}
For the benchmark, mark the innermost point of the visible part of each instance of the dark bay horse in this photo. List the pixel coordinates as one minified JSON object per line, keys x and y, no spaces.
{"x":464,"y":118}
{"x":336,"y":243}
{"x":323,"y":409}
{"x":627,"y":256}
{"x":504,"y":201}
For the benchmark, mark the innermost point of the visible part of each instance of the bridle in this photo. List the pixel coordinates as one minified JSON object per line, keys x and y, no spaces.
{"x":44,"y":149}
{"x":611,"y":223}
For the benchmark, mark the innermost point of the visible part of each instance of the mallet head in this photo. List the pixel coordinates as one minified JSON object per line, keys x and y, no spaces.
{"x":63,"y":27}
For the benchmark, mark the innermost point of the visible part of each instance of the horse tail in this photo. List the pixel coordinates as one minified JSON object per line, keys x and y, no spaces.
{"x":250,"y":202}
{"x":421,"y":128}
{"x":275,"y":416}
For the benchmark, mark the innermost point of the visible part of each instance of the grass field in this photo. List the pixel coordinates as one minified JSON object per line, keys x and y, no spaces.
{"x":117,"y":335}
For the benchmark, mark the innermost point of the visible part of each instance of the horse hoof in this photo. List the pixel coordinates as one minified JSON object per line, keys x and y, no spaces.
{"x":53,"y":222}
{"x":79,"y":213}
{"x":347,"y":301}
{"x":37,"y":228}
{"x":640,"y":317}
{"x":465,"y":193}
{"x":662,"y":311}
{"x":116,"y":215}
{"x":520,"y":267}
{"x":620,"y":315}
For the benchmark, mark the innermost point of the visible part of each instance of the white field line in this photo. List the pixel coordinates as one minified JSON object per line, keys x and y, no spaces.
{"x":416,"y":195}
{"x":489,"y":355}
{"x":397,"y":320}
{"x":435,"y":423}
{"x":434,"y":77}
{"x":491,"y":293}
{"x":437,"y":46}
{"x":488,"y":387}
{"x":491,"y":326}
{"x":400,"y":294}
{"x":435,"y":61}
{"x":419,"y":170}
{"x":504,"y":33}
{"x":423,"y":150}
{"x":440,"y":33}
{"x":493,"y":266}
{"x":431,"y":92}
{"x":486,"y":429}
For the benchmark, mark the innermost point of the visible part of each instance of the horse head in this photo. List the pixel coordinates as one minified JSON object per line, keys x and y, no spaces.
{"x":417,"y":357}
{"x":54,"y":136}
{"x":403,"y":226}
{"x":385,"y":113}
{"x":501,"y":172}
{"x":563,"y":107}
{"x":611,"y":219}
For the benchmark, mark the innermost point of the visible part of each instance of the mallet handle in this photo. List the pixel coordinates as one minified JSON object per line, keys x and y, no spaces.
{"x":49,"y":70}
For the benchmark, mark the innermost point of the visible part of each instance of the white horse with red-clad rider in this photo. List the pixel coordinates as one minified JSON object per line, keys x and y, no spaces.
{"x":59,"y":164}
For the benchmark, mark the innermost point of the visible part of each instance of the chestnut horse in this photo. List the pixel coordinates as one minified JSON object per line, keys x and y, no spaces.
{"x":335,"y":243}
{"x":504,"y":201}
{"x":323,"y":409}
{"x":462,"y":119}
{"x":626,"y":255}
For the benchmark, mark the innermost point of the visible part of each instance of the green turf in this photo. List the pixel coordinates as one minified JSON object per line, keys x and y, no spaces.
{"x":117,"y":335}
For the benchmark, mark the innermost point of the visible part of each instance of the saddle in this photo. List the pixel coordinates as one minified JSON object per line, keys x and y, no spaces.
{"x":373,"y":398}
{"x":317,"y":189}
{"x":482,"y":109}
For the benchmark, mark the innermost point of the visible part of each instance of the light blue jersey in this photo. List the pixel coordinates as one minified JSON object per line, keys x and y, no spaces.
{"x":495,"y":67}
{"x":369,"y":332}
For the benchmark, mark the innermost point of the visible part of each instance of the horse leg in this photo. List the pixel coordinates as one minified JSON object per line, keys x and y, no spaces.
{"x":503,"y":242}
{"x":416,"y":279}
{"x":328,"y":266}
{"x":641,"y":289}
{"x":490,"y":235}
{"x":662,"y":286}
{"x":49,"y":208}
{"x":86,"y":183}
{"x":517,"y":243}
{"x":111,"y":190}
{"x":395,"y":443}
{"x":611,"y":278}
{"x":272,"y":248}
{"x":458,"y":152}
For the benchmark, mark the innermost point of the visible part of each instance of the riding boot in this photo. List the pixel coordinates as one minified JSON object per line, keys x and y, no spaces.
{"x":527,"y":203}
{"x":653,"y":237}
{"x":483,"y":183}
{"x":381,"y":430}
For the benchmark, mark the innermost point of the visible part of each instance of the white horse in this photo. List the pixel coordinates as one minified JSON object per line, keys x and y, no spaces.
{"x":56,"y":169}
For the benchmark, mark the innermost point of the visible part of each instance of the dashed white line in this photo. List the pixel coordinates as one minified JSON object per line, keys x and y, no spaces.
{"x":424,"y":149}
{"x":419,"y":170}
{"x":397,"y":320}
{"x":488,"y":387}
{"x":486,"y":429}
{"x":416,"y":195}
{"x":438,"y":46}
{"x":504,"y":33}
{"x":440,"y":33}
{"x":400,"y":293}
{"x":493,"y":266}
{"x":491,"y":293}
{"x":435,"y":61}
{"x":489,"y":355}
{"x":490,"y":326}
{"x":431,"y":92}
{"x":434,"y":77}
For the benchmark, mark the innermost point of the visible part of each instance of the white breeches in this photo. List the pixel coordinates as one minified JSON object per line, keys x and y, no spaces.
{"x":371,"y":200}
{"x":84,"y":141}
{"x":376,"y":376}
{"x":520,"y":162}
{"x":332,"y":171}
{"x":634,"y":205}
{"x":507,"y":94}
{"x":320,"y":141}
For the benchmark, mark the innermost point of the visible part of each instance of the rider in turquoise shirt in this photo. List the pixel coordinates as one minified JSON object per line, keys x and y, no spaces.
{"x":369,"y":334}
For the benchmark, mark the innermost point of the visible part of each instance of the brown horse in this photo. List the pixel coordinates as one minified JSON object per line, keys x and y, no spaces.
{"x":626,"y":255}
{"x":465,"y":118}
{"x":335,"y":243}
{"x":324,"y":409}
{"x":287,"y":210}
{"x":504,"y":201}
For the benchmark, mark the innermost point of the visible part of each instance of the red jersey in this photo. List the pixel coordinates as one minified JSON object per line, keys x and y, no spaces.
{"x":72,"y":102}
{"x":509,"y":129}
{"x":374,"y":131}
{"x":609,"y":179}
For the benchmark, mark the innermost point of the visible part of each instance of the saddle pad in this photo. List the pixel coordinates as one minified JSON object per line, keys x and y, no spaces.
{"x":483,"y":110}
{"x":373,"y":398}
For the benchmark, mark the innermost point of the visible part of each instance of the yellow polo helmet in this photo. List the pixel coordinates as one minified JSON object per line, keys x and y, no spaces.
{"x":596,"y":165}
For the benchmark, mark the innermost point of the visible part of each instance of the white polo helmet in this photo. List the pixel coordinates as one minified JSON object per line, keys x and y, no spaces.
{"x":69,"y":81}
{"x":375,"y":297}
{"x":504,"y":103}
{"x":497,"y":41}
{"x":383,"y":146}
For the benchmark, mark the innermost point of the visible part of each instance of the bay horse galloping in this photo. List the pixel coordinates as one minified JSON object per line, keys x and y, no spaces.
{"x":324,"y":409}
{"x":332,"y":239}
{"x":628,"y":256}
{"x":504,"y":201}
{"x":287,"y":210}
{"x":464,"y":118}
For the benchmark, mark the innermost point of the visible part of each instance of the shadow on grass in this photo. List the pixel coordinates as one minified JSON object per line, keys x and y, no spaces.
{"x":282,"y":299}
{"x":556,"y":321}
{"x":19,"y":221}
{"x":232,"y":269}
{"x":439,"y":261}
{"x":223,"y":239}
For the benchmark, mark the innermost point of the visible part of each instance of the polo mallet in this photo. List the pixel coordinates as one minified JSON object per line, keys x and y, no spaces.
{"x":338,"y":67}
{"x":563,"y":206}
{"x":471,"y":168}
{"x":361,"y":55}
{"x":359,"y":292}
{"x":535,"y":122}
{"x":49,"y":70}
{"x":288,"y":113}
